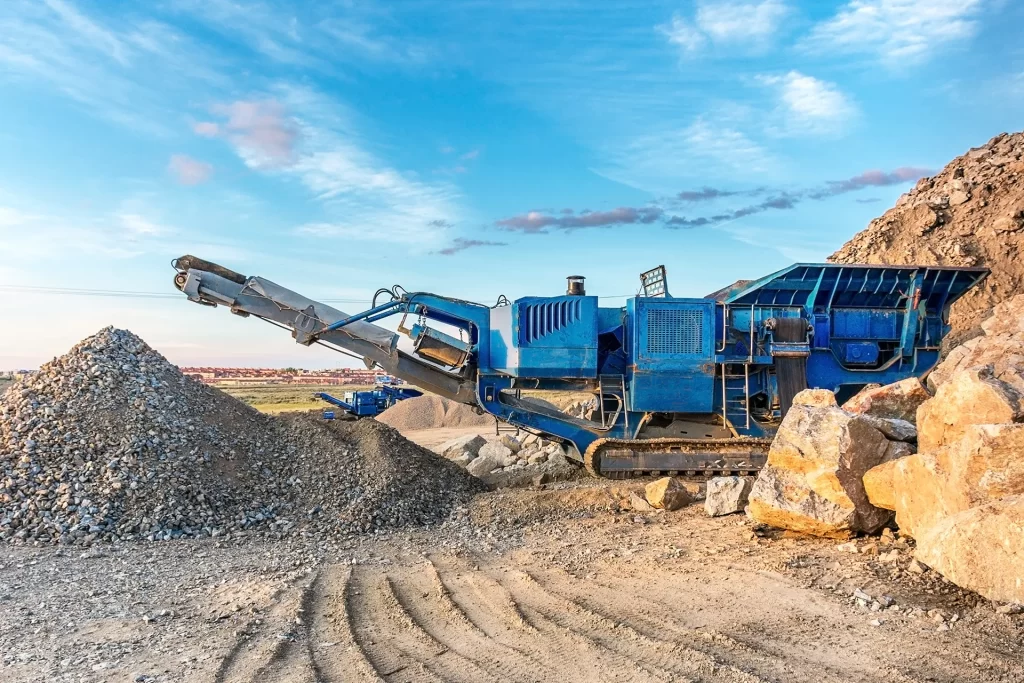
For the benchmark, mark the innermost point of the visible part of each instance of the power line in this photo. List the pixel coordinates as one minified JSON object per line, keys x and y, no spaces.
{"x":126,"y":294}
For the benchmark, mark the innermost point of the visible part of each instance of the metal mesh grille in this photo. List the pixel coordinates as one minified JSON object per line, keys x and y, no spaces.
{"x":675,"y":331}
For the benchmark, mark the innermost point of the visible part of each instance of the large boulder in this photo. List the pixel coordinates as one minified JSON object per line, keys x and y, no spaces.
{"x":667,"y":494}
{"x":469,"y":444}
{"x":813,"y":482}
{"x":1001,"y":347}
{"x":878,"y":485}
{"x":973,"y":396}
{"x":897,"y":401}
{"x":499,"y":453}
{"x":482,"y":465}
{"x":727,"y":495}
{"x":981,"y":549}
{"x":983,"y":465}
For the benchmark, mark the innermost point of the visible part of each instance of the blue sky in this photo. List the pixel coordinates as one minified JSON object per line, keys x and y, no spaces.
{"x":467,"y":148}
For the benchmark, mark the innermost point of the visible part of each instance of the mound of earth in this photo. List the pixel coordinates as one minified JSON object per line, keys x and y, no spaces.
{"x":969,"y":214}
{"x":430,"y":411}
{"x":111,"y":442}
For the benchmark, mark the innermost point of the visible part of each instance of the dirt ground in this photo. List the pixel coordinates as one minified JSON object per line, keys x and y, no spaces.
{"x":524,"y":585}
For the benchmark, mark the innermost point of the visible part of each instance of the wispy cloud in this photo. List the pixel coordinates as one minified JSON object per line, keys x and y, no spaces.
{"x":301,"y":134}
{"x":707,"y":194}
{"x":656,"y":161}
{"x":108,"y":65}
{"x":536,"y":222}
{"x":899,"y":33}
{"x":807,"y":105}
{"x":785,"y":200}
{"x":748,"y":25}
{"x":189,"y":171}
{"x":263,"y":134}
{"x":461,"y":244}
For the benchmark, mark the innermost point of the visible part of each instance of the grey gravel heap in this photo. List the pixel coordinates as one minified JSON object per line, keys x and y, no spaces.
{"x":111,"y":442}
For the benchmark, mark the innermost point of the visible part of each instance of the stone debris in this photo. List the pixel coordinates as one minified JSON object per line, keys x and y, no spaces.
{"x":667,"y":494}
{"x":111,"y":442}
{"x":727,"y":495}
{"x":971,"y":213}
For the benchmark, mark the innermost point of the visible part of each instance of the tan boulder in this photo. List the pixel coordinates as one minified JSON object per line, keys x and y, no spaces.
{"x":1001,"y":346}
{"x":815,"y":398}
{"x":897,"y":401}
{"x":878,"y":485}
{"x":969,"y":397}
{"x":667,"y":494}
{"x":981,"y":549}
{"x":923,"y":495}
{"x":985,"y":464}
{"x":814,"y":479}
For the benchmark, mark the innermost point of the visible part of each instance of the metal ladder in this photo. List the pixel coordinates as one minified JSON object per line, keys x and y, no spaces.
{"x":614,"y":385}
{"x":735,"y":393}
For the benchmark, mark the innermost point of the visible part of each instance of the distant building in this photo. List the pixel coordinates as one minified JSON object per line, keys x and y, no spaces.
{"x":243,"y":376}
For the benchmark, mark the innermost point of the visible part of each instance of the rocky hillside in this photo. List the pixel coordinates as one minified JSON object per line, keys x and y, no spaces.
{"x":969,"y":214}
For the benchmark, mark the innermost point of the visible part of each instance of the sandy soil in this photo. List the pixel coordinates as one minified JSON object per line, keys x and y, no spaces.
{"x":576,"y":592}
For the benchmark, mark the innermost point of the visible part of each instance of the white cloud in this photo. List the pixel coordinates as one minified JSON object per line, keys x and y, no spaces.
{"x":705,"y":149}
{"x":807,"y":105}
{"x":362,"y":196}
{"x":899,"y":33}
{"x":749,"y":25}
{"x":684,"y":34}
{"x":189,"y":171}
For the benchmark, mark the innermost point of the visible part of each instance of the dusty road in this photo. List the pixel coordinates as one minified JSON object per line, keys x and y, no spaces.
{"x":508,"y":591}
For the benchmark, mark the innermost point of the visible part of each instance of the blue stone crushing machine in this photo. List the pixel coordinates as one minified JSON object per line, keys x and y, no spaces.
{"x":680,"y":384}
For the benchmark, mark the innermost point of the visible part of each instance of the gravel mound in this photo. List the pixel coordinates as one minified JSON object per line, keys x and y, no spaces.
{"x":429,"y":411}
{"x":969,"y":214}
{"x":111,"y":442}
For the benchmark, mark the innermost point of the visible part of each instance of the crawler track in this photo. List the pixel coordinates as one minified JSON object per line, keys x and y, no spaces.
{"x":622,"y":458}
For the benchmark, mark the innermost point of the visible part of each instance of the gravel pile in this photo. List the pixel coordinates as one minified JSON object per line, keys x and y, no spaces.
{"x":111,"y":442}
{"x":429,"y":411}
{"x":971,"y":213}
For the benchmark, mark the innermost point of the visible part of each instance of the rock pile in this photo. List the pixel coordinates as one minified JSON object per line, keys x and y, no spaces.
{"x":961,"y":496}
{"x":430,"y":411}
{"x":506,"y":454}
{"x":112,"y":442}
{"x":971,"y":213}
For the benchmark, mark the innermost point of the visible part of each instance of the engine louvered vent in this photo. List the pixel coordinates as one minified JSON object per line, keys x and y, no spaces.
{"x":541,"y":319}
{"x":675,"y":331}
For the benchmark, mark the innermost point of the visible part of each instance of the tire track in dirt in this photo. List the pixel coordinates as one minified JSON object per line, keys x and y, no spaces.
{"x":563,"y":655}
{"x":333,"y":649}
{"x":571,"y":643}
{"x":670,"y":656}
{"x":424,"y":594}
{"x":266,"y":649}
{"x":629,"y":606}
{"x":394,"y":642}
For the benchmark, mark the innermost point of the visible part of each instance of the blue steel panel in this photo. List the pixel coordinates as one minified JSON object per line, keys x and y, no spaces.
{"x":546,"y":337}
{"x":672,"y":354}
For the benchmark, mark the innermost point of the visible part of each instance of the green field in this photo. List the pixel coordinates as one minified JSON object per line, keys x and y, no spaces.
{"x":278,"y":398}
{"x":4,"y":383}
